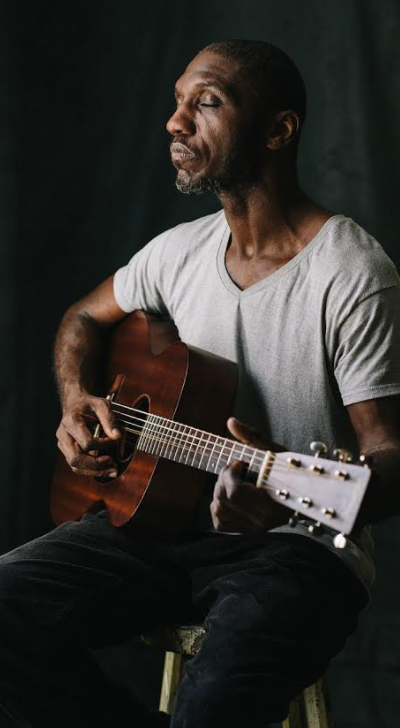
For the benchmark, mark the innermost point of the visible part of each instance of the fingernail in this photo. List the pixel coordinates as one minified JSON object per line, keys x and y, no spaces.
{"x":115,"y":432}
{"x":113,"y":474}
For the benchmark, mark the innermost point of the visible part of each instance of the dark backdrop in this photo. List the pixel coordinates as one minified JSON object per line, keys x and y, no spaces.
{"x":85,"y":180}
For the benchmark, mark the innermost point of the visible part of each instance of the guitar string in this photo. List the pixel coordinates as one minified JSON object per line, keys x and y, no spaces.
{"x":228,"y":442}
{"x":216,"y":446}
{"x":175,"y":432}
{"x":273,"y":486}
{"x":277,"y":465}
{"x":173,"y":422}
{"x":188,"y":447}
{"x":182,"y":446}
{"x":206,"y":445}
{"x":172,"y":429}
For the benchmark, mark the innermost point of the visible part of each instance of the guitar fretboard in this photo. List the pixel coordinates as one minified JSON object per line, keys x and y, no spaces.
{"x":191,"y":446}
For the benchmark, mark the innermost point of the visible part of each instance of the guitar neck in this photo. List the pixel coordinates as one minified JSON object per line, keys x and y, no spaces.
{"x":193,"y":447}
{"x":326,"y":491}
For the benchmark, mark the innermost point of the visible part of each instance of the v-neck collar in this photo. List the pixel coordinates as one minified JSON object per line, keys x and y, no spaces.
{"x":276,"y":275}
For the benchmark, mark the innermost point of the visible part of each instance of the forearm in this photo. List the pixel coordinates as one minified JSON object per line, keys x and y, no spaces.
{"x":382,"y":498}
{"x":78,"y":354}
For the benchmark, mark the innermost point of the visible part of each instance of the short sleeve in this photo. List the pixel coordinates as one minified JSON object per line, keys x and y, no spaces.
{"x":367,"y":357}
{"x":139,"y":284}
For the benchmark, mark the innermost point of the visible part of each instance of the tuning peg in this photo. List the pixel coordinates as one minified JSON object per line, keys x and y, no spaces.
{"x":294,"y":519}
{"x":282,"y":493}
{"x":344,"y":456}
{"x":340,"y":541}
{"x":305,"y":501}
{"x":314,"y":527}
{"x":366,"y":460}
{"x":318,"y":447}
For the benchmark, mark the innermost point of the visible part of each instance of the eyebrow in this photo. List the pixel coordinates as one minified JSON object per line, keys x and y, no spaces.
{"x":224,"y":88}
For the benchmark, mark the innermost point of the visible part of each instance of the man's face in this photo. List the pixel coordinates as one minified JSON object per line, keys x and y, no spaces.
{"x":217,"y":134}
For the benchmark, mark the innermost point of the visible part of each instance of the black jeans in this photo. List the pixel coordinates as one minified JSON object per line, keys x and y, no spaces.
{"x":276,"y":607}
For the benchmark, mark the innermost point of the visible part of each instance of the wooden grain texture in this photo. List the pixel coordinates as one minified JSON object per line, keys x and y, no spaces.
{"x":170,"y":681}
{"x":181,"y":383}
{"x":296,"y":717}
{"x":315,"y":705}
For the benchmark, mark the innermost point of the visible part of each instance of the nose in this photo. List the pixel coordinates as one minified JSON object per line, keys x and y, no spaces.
{"x":181,"y":121}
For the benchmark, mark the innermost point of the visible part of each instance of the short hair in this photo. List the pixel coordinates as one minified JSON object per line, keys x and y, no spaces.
{"x":277,"y":79}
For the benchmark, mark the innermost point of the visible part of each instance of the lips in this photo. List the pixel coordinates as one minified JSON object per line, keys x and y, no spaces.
{"x":180,"y":153}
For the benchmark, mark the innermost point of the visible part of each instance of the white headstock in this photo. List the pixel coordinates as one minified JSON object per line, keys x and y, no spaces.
{"x":326,"y":491}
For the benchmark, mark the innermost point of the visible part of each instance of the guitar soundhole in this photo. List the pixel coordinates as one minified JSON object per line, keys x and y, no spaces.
{"x":131,"y":423}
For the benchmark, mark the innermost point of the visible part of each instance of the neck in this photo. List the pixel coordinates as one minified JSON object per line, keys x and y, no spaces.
{"x":272,"y":216}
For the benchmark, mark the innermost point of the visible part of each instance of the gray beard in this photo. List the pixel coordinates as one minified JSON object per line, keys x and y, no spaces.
{"x":240,"y":168}
{"x":198,"y":187}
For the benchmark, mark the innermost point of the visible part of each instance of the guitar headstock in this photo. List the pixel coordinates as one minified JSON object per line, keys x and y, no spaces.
{"x":326,"y":491}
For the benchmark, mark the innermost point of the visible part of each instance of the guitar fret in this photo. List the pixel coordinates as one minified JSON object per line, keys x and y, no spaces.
{"x":181,"y":450}
{"x":149,"y":430}
{"x":232,"y":446}
{"x":211,"y":464}
{"x":250,"y":465}
{"x":141,"y":444}
{"x":236,"y":452}
{"x":182,"y":442}
{"x":207,"y":442}
{"x":163,"y":441}
{"x":196,"y":450}
{"x":151,"y":442}
{"x":156,"y":441}
{"x":217,"y":466}
{"x":168,"y":437}
{"x":192,"y":442}
{"x":174,"y":449}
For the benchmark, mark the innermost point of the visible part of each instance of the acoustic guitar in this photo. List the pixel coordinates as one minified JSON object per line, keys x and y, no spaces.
{"x":156,"y":384}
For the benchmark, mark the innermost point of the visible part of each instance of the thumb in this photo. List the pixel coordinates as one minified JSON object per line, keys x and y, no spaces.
{"x":246,"y":434}
{"x":104,"y":413}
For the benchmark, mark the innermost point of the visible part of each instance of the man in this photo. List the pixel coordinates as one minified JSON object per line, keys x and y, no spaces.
{"x":307,"y":304}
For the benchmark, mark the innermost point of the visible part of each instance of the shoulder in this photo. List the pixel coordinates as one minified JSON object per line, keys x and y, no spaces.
{"x":188,"y":235}
{"x":350,"y":264}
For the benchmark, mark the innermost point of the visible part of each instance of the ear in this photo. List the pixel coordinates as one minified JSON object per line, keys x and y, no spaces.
{"x":285,"y":127}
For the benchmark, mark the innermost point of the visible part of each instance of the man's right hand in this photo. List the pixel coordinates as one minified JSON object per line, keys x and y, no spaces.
{"x":84,"y":453}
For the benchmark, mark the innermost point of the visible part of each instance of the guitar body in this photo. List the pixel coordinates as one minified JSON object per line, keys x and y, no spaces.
{"x":151,"y":369}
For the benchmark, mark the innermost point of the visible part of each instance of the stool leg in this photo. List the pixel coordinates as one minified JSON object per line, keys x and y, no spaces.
{"x":170,"y":681}
{"x":315,"y":706}
{"x":296,"y":717}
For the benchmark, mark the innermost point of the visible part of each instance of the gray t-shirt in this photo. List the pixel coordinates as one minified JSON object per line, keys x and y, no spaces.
{"x":321,"y":332}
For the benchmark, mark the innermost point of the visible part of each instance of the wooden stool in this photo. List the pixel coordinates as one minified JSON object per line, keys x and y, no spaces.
{"x":308,"y":710}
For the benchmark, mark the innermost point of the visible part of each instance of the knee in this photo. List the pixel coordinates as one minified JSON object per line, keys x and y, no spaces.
{"x":14,"y":601}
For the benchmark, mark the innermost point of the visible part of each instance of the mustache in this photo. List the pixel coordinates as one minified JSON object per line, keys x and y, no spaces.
{"x":179,"y":144}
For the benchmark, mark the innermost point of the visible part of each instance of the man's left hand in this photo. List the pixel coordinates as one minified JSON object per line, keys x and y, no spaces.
{"x":238,"y":506}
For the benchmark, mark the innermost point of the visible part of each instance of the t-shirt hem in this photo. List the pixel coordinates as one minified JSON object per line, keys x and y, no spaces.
{"x":384,"y":390}
{"x":118,"y":295}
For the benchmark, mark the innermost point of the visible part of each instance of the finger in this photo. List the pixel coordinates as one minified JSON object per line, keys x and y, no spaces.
{"x":66,"y":443}
{"x":238,"y":516}
{"x":75,"y":425}
{"x":226,"y":517}
{"x":246,"y":434}
{"x":229,"y":480}
{"x":220,"y":516}
{"x":102,"y":409}
{"x":80,"y":462}
{"x":83,"y":464}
